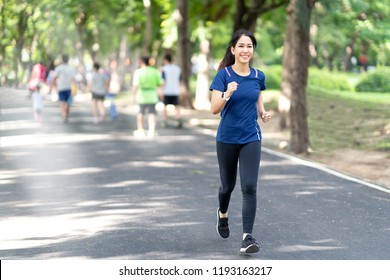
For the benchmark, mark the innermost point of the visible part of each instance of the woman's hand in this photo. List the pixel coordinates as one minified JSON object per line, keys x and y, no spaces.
{"x":265,"y":116}
{"x":231,"y":87}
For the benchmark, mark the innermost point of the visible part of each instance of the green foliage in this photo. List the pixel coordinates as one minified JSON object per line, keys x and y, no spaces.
{"x":269,"y":39}
{"x":43,"y":29}
{"x":273,"y":76}
{"x":318,"y":78}
{"x":358,"y":26}
{"x":328,"y":80}
{"x":377,"y":81}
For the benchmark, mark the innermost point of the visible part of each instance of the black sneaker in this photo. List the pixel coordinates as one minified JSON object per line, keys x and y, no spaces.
{"x":222,"y":226}
{"x":249,"y":245}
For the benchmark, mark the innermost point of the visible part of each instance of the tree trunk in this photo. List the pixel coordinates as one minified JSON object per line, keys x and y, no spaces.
{"x":184,"y":51}
{"x":22,"y":26}
{"x":81,"y":23}
{"x":347,"y":65}
{"x":295,"y":71}
{"x":2,"y":36}
{"x":122,"y":55}
{"x":202,"y":96}
{"x":148,"y":29}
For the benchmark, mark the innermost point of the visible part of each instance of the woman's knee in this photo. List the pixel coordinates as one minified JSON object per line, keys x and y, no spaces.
{"x":249,"y":189}
{"x":226,"y":189}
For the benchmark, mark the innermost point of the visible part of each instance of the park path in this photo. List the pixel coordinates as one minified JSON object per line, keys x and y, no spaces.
{"x":85,"y":191}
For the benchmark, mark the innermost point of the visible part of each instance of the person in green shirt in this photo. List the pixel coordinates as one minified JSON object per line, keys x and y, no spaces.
{"x":146,"y":86}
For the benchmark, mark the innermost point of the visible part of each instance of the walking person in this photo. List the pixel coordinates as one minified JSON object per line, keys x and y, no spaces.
{"x":236,"y":94}
{"x":171,"y":74}
{"x":146,"y":86}
{"x":98,"y":86}
{"x":38,"y":76}
{"x":63,"y":78}
{"x":37,"y":102}
{"x":114,"y":89}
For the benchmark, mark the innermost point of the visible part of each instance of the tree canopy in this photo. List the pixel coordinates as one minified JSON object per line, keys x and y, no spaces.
{"x":100,"y":30}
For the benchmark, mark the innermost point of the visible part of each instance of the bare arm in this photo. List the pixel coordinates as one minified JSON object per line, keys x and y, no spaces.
{"x":53,"y":83}
{"x":107,"y":84}
{"x":133,"y":92}
{"x":217,"y":102}
{"x":264,"y":115}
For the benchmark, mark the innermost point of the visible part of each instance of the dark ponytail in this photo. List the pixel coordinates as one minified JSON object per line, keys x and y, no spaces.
{"x":229,"y":59}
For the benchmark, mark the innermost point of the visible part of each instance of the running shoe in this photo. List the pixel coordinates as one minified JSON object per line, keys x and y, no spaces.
{"x":222,"y":226}
{"x":249,"y":245}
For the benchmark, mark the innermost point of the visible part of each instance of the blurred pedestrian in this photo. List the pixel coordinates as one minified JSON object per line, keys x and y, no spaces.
{"x":171,"y":74}
{"x":363,"y":63}
{"x":38,"y":75}
{"x":98,"y":87}
{"x":113,"y":89}
{"x":63,"y":78}
{"x":146,"y":86}
{"x":37,"y":102}
{"x":236,"y":94}
{"x":49,"y":74}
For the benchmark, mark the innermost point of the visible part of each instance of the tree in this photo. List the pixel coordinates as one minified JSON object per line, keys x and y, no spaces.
{"x":184,"y":49}
{"x":342,"y":29}
{"x":213,"y":17}
{"x":246,"y":15}
{"x":295,"y":71}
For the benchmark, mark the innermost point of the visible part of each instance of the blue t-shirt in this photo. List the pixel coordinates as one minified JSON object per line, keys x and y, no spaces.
{"x":238,"y":123}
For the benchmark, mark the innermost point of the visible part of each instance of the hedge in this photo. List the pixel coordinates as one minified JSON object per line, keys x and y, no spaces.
{"x":377,"y":81}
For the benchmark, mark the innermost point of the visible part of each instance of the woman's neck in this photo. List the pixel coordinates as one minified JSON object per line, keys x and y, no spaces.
{"x":241,"y":69}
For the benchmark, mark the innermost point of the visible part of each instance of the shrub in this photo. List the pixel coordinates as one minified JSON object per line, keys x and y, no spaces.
{"x":377,"y":81}
{"x":328,"y":80}
{"x":273,"y":76}
{"x":319,"y":78}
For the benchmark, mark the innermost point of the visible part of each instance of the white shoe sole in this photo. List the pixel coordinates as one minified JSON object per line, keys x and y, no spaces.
{"x":250,"y":249}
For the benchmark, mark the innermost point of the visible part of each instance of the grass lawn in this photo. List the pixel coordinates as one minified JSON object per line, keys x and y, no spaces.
{"x":339,"y":120}
{"x":345,"y":120}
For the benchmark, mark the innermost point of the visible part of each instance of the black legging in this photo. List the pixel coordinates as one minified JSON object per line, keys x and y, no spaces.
{"x":247,"y":157}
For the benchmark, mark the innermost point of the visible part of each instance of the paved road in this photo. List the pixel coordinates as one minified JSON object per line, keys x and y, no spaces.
{"x":86,"y":191}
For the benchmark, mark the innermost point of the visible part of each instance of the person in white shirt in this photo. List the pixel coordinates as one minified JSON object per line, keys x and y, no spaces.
{"x":64,"y":76}
{"x":171,"y":75}
{"x":99,"y":87}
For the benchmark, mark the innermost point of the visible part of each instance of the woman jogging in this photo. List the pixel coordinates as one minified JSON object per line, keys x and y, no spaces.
{"x":236,"y":94}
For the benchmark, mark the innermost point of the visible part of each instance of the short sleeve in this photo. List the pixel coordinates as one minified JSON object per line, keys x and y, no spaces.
{"x":56,"y":71}
{"x":219,"y":82}
{"x":262,"y":80}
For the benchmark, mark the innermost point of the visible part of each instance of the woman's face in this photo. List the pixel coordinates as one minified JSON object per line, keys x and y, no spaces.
{"x":243,"y":50}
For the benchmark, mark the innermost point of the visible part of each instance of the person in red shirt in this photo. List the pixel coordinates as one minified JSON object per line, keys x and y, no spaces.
{"x":363,"y":63}
{"x":38,"y":75}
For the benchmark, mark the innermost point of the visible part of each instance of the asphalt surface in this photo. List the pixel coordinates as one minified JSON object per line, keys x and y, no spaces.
{"x":86,"y":191}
